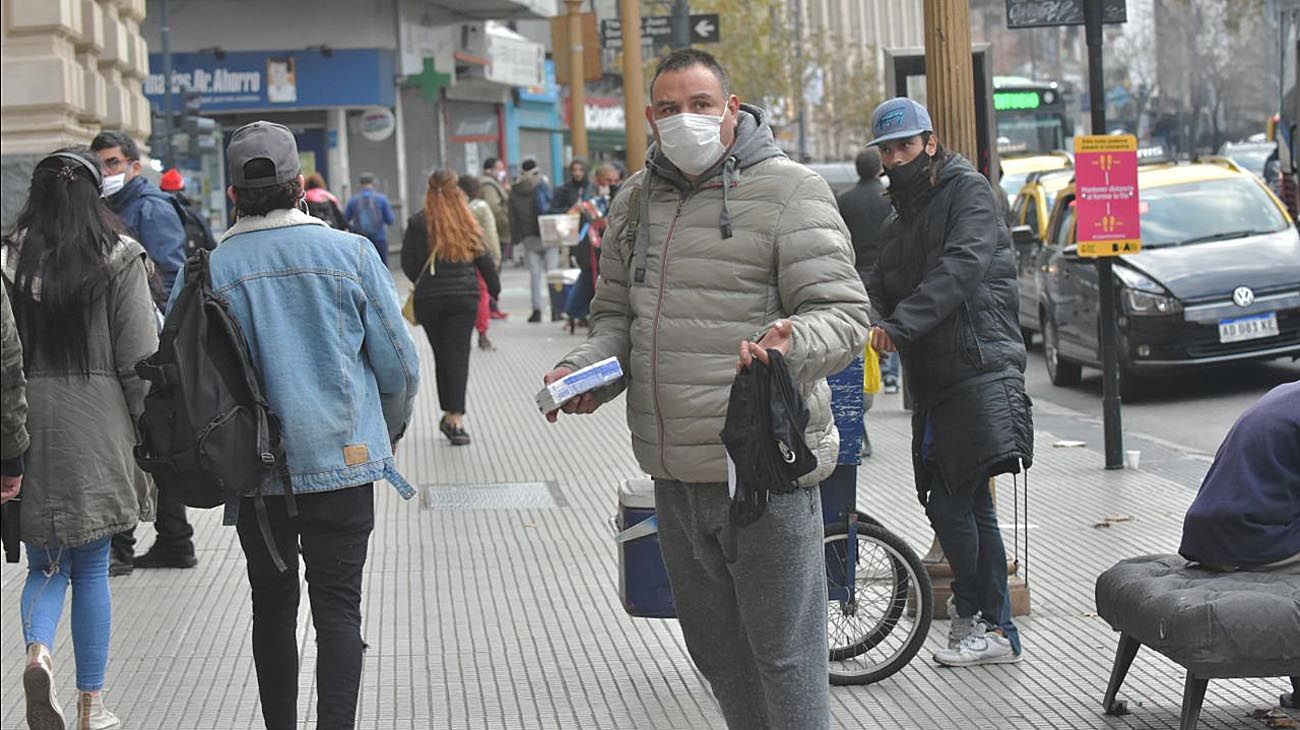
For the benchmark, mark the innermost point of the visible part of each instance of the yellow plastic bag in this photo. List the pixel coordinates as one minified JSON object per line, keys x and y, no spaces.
{"x":871,"y":380}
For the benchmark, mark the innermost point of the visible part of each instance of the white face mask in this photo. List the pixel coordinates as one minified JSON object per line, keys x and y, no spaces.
{"x":113,"y":184}
{"x":692,"y":142}
{"x":884,"y":181}
{"x":603,"y":191}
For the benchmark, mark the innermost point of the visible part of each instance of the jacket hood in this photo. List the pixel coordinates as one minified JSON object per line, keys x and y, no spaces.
{"x":526,"y":182}
{"x":754,"y":143}
{"x":947,"y":167}
{"x":283,"y":218}
{"x":138,"y":187}
{"x":119,"y":256}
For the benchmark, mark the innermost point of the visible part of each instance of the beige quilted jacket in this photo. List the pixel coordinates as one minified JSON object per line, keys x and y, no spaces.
{"x":675,"y":312}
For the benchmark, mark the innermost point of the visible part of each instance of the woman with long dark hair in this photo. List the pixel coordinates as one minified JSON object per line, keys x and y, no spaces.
{"x":82,"y":305}
{"x":443,"y":252}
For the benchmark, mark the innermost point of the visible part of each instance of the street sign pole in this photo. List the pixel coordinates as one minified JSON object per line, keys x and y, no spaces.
{"x":1110,"y":406}
{"x":681,"y":15}
{"x":168,"y":156}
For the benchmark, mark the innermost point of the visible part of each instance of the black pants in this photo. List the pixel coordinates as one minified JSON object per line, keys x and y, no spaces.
{"x":449,"y":323}
{"x":175,"y":533}
{"x":334,"y":528}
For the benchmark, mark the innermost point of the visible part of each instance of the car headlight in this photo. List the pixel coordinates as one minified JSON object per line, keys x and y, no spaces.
{"x":1143,"y":303}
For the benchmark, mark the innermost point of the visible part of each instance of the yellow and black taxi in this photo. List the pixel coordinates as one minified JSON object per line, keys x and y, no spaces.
{"x":1033,"y":206}
{"x":1217,"y":279}
{"x":1016,"y":169}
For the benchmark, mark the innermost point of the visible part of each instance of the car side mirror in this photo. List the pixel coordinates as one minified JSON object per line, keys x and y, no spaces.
{"x":1024,"y":238}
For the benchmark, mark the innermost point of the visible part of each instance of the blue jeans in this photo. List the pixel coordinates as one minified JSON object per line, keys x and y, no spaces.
{"x":966,"y":524}
{"x":49,"y":570}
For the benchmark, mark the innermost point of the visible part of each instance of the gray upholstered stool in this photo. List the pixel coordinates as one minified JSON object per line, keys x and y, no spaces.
{"x":1216,"y":625}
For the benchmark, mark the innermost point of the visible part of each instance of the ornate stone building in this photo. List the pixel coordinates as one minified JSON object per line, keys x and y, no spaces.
{"x":68,"y":68}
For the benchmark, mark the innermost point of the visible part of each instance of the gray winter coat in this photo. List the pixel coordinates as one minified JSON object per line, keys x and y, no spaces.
{"x":13,"y":404}
{"x":755,"y":239}
{"x":81,"y":481}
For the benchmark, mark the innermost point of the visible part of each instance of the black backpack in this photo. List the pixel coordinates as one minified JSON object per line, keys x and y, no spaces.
{"x":329,"y":212}
{"x":208,"y":435}
{"x":198,"y":235}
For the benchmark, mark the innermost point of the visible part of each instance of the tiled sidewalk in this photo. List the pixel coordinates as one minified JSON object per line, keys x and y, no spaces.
{"x":496,"y":607}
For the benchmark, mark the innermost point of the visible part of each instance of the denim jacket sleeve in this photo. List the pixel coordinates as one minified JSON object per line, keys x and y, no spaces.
{"x":388,"y":344}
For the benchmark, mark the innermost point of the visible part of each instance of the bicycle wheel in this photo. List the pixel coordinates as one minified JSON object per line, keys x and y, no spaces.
{"x":884,"y":626}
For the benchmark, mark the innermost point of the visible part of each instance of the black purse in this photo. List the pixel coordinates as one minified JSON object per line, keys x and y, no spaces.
{"x":10,"y":534}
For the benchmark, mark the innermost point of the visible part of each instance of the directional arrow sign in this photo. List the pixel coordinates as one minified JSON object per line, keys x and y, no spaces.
{"x":705,"y":28}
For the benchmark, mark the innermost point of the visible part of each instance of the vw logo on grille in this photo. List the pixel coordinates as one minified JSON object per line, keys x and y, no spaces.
{"x":1242,"y":296}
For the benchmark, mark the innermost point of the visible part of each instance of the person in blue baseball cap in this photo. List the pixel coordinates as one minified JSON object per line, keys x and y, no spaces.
{"x":943,"y":294}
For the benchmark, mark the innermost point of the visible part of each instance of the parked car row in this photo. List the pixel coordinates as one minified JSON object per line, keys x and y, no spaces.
{"x":1217,"y":280}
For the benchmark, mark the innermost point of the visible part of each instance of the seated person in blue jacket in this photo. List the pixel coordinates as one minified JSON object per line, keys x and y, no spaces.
{"x":1247,"y":514}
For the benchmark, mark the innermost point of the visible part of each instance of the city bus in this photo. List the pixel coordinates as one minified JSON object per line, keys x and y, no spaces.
{"x":1033,"y":116}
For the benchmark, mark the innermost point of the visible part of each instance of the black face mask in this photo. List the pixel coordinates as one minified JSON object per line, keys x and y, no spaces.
{"x":910,"y":177}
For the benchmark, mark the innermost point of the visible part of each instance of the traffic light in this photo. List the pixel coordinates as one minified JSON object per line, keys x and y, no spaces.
{"x":160,"y":146}
{"x":198,"y":128}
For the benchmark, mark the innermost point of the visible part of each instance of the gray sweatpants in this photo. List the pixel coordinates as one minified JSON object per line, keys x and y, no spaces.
{"x":751,"y":602}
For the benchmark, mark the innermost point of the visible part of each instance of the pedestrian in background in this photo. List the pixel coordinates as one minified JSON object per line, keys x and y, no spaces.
{"x":575,"y":189}
{"x":864,"y":208}
{"x":495,"y":182}
{"x":587,"y":253}
{"x":326,"y":335}
{"x":13,"y":405}
{"x":943,"y":293}
{"x":442,"y":249}
{"x":473,"y":188}
{"x":150,"y":217}
{"x":198,"y":234}
{"x":370,"y":214}
{"x":322,"y":204}
{"x":530,"y":196}
{"x":85,"y":315}
{"x":760,"y":261}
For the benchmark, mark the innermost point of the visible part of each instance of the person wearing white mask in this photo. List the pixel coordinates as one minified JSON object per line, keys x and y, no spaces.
{"x":719,"y":252}
{"x":151,"y":217}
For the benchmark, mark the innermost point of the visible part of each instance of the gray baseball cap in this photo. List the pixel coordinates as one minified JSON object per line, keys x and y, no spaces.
{"x":262,"y":141}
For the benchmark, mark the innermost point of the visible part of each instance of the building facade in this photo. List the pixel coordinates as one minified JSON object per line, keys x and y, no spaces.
{"x":67,"y":69}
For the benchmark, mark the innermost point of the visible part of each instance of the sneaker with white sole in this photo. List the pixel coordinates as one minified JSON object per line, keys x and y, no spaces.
{"x":959,"y":628}
{"x":92,"y":715}
{"x":984,"y":645}
{"x":43,"y":710}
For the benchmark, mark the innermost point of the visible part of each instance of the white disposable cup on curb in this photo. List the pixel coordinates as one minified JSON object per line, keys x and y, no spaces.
{"x":1132,"y":457}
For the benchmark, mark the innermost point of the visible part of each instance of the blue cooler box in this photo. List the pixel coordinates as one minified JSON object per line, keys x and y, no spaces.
{"x":642,"y":580}
{"x":559,"y":282}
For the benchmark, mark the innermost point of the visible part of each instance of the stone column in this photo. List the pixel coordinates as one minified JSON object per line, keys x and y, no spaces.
{"x":67,"y":69}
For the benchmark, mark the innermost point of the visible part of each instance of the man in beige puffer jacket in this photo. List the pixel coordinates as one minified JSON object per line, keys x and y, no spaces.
{"x":721,"y":249}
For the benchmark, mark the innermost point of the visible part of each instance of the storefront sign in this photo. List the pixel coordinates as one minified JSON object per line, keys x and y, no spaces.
{"x":546,"y":91}
{"x":377,"y":124}
{"x":261,"y":80}
{"x":515,"y":61}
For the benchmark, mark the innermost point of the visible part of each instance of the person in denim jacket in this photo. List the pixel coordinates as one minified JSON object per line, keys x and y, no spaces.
{"x":325,"y":330}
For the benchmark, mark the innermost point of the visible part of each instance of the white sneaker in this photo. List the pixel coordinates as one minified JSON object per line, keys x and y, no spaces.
{"x":960,"y":627}
{"x":43,"y":710}
{"x":984,"y":645}
{"x":92,"y":715}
